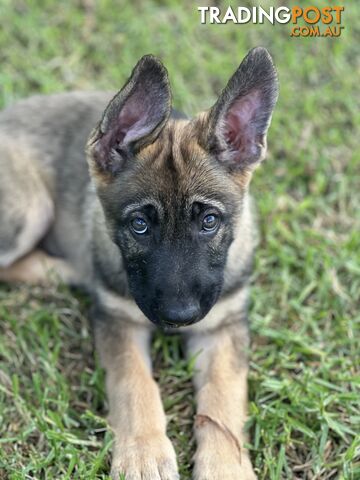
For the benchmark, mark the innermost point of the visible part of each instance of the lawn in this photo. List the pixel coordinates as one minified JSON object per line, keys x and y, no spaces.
{"x":304,"y":413}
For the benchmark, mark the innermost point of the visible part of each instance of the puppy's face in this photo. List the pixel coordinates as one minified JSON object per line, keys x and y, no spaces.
{"x":172,"y":212}
{"x":172,"y":190}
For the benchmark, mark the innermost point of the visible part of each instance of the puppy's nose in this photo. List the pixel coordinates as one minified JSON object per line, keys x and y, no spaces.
{"x":181,"y":315}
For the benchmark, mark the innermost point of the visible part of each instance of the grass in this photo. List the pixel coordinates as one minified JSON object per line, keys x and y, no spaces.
{"x":304,"y":379}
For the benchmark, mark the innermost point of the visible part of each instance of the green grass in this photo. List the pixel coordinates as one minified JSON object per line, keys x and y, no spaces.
{"x":304,"y":379}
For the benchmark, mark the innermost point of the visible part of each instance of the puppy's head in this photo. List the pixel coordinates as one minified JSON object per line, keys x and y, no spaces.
{"x":172,"y":190}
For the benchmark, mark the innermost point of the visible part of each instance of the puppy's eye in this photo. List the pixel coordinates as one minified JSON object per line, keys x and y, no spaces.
{"x":139,"y":225}
{"x":210,"y":222}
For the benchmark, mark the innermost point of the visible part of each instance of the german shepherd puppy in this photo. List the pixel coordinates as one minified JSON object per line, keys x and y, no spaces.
{"x":161,"y":232}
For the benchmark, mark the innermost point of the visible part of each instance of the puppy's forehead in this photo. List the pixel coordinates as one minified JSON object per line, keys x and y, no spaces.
{"x":176,"y":166}
{"x":175,"y":147}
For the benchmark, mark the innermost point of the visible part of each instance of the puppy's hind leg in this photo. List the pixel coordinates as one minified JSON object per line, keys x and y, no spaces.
{"x":26,"y":206}
{"x":39,"y":268}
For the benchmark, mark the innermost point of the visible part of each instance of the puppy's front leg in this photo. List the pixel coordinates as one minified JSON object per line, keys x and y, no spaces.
{"x":141,"y":449}
{"x":221,"y":385}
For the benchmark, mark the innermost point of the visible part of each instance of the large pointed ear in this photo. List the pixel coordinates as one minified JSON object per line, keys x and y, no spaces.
{"x":237,"y":124}
{"x":133,"y":118}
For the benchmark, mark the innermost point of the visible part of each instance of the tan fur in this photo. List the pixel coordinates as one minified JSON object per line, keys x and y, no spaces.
{"x":221,"y":384}
{"x":39,"y":268}
{"x":122,"y":308}
{"x":29,"y":201}
{"x":142,"y":449}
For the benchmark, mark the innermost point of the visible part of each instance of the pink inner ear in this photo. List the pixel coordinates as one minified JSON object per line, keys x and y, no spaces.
{"x":239,"y":128}
{"x":132,"y":121}
{"x":131,"y":124}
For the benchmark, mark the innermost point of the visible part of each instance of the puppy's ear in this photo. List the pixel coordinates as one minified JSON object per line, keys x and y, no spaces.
{"x":237,"y":124}
{"x":133,"y":118}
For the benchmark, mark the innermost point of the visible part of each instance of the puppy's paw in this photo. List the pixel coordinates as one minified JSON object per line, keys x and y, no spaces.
{"x":216,"y":467}
{"x":145,"y":458}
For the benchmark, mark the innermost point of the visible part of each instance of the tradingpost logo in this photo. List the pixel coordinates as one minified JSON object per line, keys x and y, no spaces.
{"x":305,"y":21}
